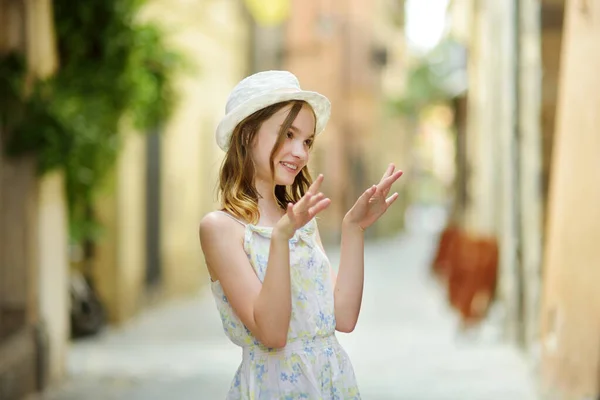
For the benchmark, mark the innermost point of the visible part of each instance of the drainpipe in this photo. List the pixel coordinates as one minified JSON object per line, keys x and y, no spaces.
{"x":517,"y":170}
{"x":529,"y":158}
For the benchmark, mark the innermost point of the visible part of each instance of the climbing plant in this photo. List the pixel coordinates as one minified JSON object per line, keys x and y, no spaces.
{"x":110,"y":67}
{"x":432,"y":78}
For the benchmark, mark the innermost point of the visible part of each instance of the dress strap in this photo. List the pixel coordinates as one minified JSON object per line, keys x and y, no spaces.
{"x":232,"y":217}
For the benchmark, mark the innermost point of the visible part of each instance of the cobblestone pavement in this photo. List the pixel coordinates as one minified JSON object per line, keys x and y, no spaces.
{"x":406,"y":345}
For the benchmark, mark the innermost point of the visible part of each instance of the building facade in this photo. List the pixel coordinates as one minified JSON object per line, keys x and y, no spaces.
{"x":33,"y":231}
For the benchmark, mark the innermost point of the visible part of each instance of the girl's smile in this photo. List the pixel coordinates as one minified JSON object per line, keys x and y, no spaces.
{"x":272,"y":291}
{"x":291,"y":167}
{"x":293,"y":150}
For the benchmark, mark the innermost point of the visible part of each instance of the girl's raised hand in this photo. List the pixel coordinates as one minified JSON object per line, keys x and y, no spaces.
{"x":373,"y":203}
{"x":299,"y":214}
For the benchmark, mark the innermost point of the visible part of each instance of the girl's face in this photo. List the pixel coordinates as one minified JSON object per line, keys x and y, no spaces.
{"x":293,"y":154}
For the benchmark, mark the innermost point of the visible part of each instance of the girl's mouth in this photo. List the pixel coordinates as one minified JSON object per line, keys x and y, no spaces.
{"x":290,"y":167}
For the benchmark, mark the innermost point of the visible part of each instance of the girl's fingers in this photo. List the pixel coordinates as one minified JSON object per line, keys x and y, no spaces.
{"x":386,"y":184}
{"x":315,"y":199}
{"x":366,"y":196}
{"x":290,"y":211}
{"x":392,"y":178}
{"x":314,"y":188}
{"x":395,"y":176}
{"x":388,"y":172}
{"x":304,"y":202}
{"x":312,"y":203}
{"x":391,"y":199}
{"x":390,"y":169}
{"x":309,"y":200}
{"x":302,"y":213}
{"x":317,"y":208}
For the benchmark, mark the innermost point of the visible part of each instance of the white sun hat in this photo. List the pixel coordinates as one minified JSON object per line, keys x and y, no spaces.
{"x":262,"y":90}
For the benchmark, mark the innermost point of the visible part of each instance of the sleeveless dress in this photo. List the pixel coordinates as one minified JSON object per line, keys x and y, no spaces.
{"x":312,"y":365}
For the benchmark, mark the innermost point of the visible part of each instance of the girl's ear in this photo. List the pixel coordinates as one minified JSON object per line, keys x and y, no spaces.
{"x":245,"y":136}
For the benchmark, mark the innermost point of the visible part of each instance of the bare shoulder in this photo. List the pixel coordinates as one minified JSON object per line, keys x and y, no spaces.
{"x":217,"y":232}
{"x":215,"y":225}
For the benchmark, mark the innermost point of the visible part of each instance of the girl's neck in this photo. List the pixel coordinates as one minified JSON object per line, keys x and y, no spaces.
{"x":270,"y":211}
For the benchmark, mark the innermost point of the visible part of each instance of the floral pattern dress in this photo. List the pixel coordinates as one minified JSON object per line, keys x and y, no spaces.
{"x":312,"y":365}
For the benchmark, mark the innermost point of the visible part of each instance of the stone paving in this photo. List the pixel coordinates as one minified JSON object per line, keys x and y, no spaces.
{"x":406,"y":345}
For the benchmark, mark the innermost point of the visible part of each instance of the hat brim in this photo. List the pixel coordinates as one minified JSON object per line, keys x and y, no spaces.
{"x":319,"y":103}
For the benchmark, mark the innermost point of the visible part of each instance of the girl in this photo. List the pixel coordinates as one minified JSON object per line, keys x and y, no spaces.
{"x":274,"y":288}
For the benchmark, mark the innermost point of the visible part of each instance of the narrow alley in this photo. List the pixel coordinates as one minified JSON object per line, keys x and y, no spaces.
{"x":405,"y":346}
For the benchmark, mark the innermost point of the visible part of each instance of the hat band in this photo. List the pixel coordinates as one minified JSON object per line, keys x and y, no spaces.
{"x":285,"y":90}
{"x":274,"y":91}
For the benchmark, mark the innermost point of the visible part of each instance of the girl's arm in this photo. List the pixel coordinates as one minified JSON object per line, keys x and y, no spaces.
{"x":263,"y":308}
{"x":348,"y":284}
{"x":348,"y":289}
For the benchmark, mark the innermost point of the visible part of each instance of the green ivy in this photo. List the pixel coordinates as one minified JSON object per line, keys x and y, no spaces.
{"x":428,"y":78}
{"x":110,"y":67}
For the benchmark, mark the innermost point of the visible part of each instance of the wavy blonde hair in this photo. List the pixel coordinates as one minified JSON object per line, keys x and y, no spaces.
{"x":236,"y":179}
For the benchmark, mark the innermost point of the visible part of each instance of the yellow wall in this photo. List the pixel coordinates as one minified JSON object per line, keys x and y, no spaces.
{"x":33,"y":224}
{"x":104,"y":264}
{"x":571,"y":304}
{"x":53,"y":270}
{"x":119,"y":262}
{"x":212,"y":36}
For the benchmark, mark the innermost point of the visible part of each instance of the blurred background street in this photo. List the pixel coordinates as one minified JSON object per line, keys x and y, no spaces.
{"x":405,"y":347}
{"x":482,"y":278}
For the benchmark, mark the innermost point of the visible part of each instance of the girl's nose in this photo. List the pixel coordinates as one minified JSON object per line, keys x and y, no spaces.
{"x":299,"y":150}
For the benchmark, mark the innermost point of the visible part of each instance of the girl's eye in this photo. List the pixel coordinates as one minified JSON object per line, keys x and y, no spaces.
{"x":290,"y":135}
{"x":308,"y":143}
